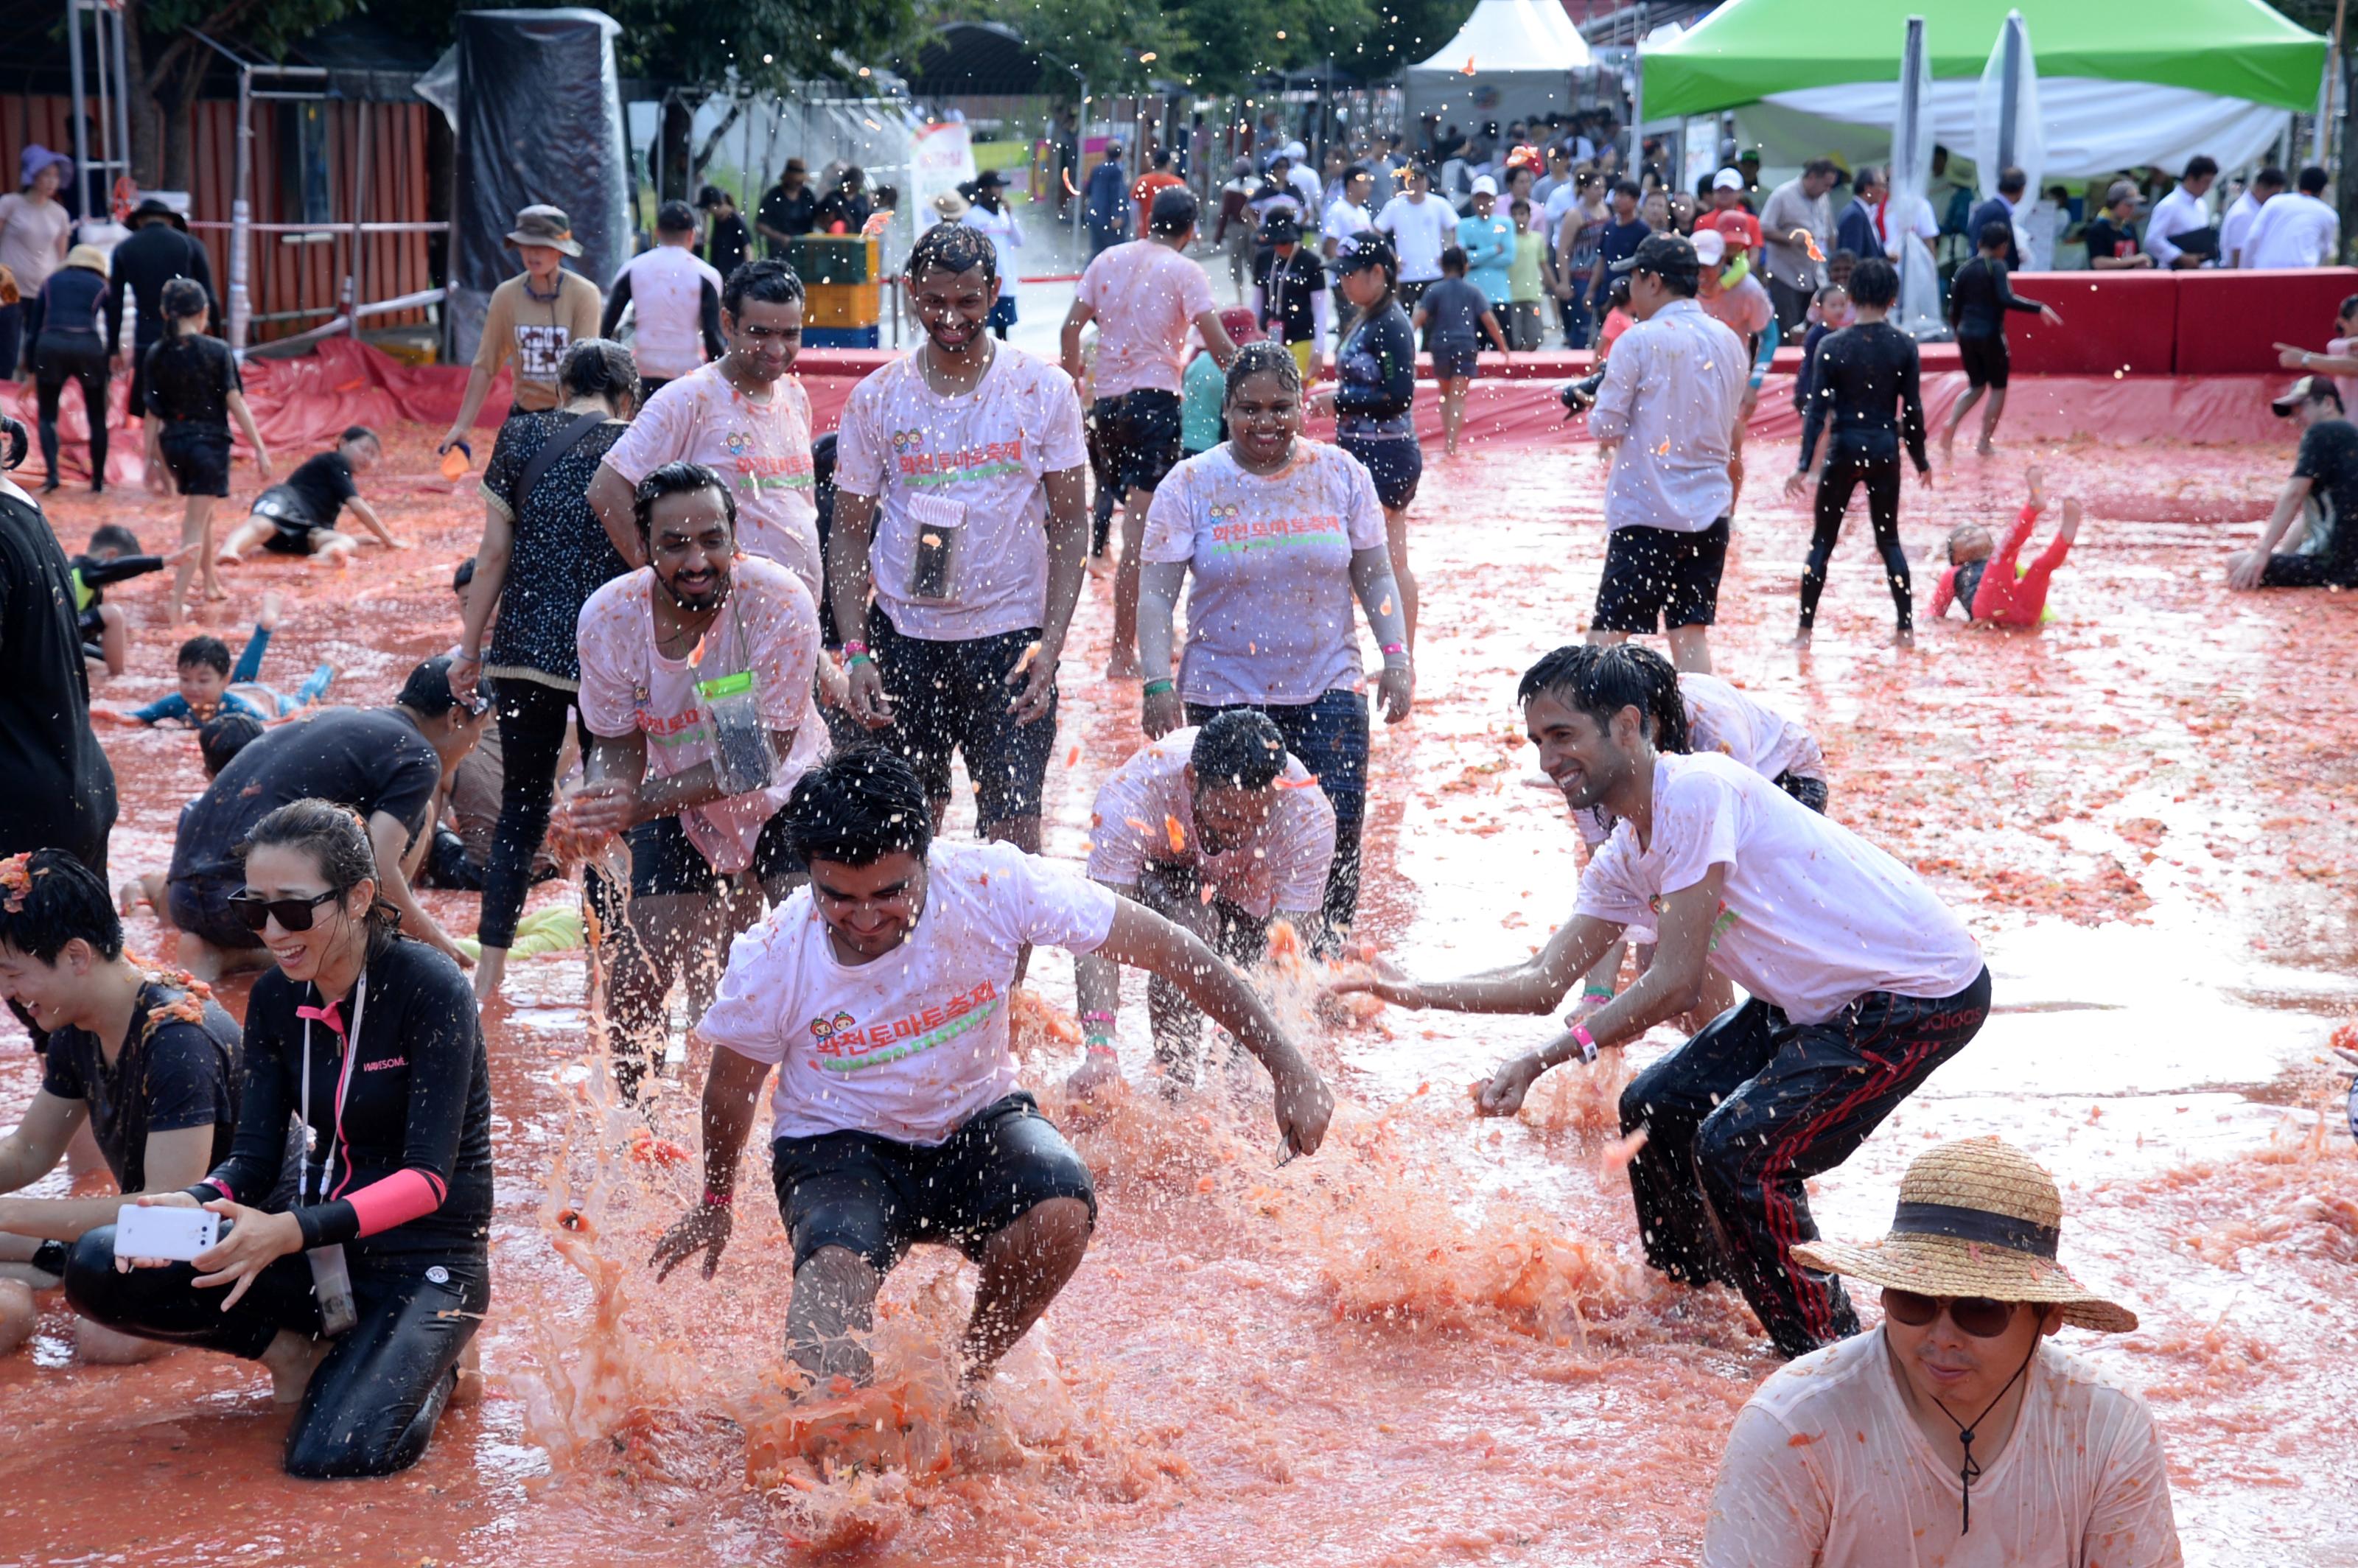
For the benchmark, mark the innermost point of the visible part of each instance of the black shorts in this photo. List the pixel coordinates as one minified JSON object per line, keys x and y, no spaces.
{"x":197,"y":456}
{"x":1985,"y":361}
{"x":1138,"y":432}
{"x":877,"y":1197}
{"x":287,"y":538}
{"x":200,"y":906}
{"x":1002,"y":313}
{"x":954,"y":697}
{"x":1457,"y":362}
{"x":665,"y":861}
{"x":1395,"y":463}
{"x":1811,"y":793}
{"x":2308,"y":571}
{"x":1660,"y":574}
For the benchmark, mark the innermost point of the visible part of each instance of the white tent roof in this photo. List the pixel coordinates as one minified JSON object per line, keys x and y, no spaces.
{"x":1506,"y":36}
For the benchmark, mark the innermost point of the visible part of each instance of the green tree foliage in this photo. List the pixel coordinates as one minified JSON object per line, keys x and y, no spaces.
{"x":1222,"y":46}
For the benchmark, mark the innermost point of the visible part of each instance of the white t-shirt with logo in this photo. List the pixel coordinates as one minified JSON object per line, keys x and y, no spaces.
{"x":910,"y":1045}
{"x":762,"y":449}
{"x":1271,"y":609}
{"x":1146,"y":296}
{"x":1730,"y":721}
{"x":1420,"y":231}
{"x":971,"y":466}
{"x":769,"y":626}
{"x":1146,"y":804}
{"x":1812,"y":916}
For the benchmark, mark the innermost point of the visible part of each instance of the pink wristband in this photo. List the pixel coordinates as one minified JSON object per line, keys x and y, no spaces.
{"x":1394,"y":648}
{"x":1587,"y":1042}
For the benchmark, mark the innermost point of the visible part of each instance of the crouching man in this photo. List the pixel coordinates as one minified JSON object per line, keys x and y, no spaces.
{"x":881,"y":991}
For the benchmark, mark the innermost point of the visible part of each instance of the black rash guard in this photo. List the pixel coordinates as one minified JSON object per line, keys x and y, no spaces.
{"x":1979,"y":297}
{"x":1867,"y":389}
{"x":1376,"y":375}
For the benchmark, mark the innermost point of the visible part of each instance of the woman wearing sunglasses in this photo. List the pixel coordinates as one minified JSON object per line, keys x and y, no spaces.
{"x":361,"y":1294}
{"x":1958,"y":1432}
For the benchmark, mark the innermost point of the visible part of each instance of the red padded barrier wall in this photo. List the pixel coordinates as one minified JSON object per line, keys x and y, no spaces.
{"x":2229,"y":322}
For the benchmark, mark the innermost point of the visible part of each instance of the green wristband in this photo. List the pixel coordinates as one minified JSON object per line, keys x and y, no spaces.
{"x":1156,"y":687}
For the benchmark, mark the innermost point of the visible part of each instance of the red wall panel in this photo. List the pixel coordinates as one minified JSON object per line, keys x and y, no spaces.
{"x":2113,"y":323}
{"x":2229,"y":322}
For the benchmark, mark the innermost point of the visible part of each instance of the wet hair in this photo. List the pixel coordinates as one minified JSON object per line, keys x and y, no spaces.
{"x":675,"y":218}
{"x":203,"y":651}
{"x":765,"y":282}
{"x":1601,"y":682}
{"x":1960,"y":534}
{"x":956,"y":249}
{"x":62,"y":900}
{"x":1237,"y":749}
{"x":113,"y":536}
{"x":858,"y":806}
{"x":337,"y":839}
{"x":220,"y":738}
{"x":2313,"y":179}
{"x":1173,"y":214}
{"x":1263,"y":358}
{"x":183,"y":297}
{"x":1996,"y":234}
{"x":681,"y":478}
{"x":597,"y":367}
{"x":2200,"y":165}
{"x":1874,"y":283}
{"x":359,"y":433}
{"x":1453,"y":261}
{"x":463,"y":575}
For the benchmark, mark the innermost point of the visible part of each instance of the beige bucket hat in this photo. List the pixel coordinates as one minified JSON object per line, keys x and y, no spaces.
{"x":1976,"y":1218}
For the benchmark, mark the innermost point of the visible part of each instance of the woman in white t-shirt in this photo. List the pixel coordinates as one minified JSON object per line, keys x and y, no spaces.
{"x":1281,"y":534}
{"x":695,"y":679}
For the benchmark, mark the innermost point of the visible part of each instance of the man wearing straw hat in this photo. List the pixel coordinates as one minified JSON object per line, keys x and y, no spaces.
{"x":1956,"y":1434}
{"x":532,"y":319}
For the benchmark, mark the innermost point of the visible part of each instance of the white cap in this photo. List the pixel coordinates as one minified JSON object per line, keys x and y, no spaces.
{"x":1296,"y":151}
{"x":1484,"y":185}
{"x":1728,"y":179}
{"x":1710,"y":246}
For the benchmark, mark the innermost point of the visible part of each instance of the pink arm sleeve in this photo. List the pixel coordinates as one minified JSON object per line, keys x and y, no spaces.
{"x":399,"y":1199}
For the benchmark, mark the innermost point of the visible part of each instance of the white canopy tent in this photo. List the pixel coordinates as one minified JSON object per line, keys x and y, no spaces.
{"x":1513,"y":60}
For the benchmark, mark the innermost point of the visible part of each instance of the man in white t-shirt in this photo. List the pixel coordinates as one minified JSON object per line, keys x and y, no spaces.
{"x":991,"y":214}
{"x":881,"y":994}
{"x":2235,"y":228}
{"x":1862,"y":982}
{"x":2298,"y":229}
{"x":961,"y":506}
{"x":674,"y":297}
{"x":1221,"y":833}
{"x":1349,"y":214}
{"x":1421,"y":226}
{"x":1144,"y":297}
{"x":695,"y":679}
{"x":1957,"y":1433}
{"x":745,"y":417}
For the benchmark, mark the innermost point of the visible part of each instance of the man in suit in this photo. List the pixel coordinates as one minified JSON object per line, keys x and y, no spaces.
{"x":2000,"y":209}
{"x":1856,"y":232}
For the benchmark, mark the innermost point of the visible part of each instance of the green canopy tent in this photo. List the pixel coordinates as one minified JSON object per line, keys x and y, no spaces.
{"x":2122,"y":82}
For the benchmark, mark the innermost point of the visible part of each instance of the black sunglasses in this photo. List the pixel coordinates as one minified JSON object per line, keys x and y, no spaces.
{"x":1977,"y":1315}
{"x":292,"y":914}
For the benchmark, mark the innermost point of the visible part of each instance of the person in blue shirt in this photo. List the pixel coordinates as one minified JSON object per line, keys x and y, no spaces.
{"x":1488,"y":238}
{"x":1108,"y":207}
{"x":1454,"y":315}
{"x":212,"y":686}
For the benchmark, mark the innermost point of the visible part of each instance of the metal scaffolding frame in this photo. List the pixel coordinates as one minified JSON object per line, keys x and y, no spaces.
{"x":114,"y":80}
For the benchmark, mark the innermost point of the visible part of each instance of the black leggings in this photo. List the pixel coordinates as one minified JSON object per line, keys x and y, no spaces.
{"x":61,"y":357}
{"x":371,"y":1405}
{"x":532,"y":737}
{"x":1845,"y":471}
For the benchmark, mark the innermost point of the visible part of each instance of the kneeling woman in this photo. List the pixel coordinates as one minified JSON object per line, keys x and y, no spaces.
{"x":363,"y":1295}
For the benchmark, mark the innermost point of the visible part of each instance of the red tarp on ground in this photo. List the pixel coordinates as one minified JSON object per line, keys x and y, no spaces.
{"x":302,"y":404}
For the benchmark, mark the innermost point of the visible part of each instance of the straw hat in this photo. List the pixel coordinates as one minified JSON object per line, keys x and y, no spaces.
{"x":1976,"y":1218}
{"x":89,"y":256}
{"x":950,"y":206}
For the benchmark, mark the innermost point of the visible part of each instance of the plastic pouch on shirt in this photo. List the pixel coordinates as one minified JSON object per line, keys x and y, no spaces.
{"x":940,"y":548}
{"x":741,"y":758}
{"x":332,"y":1285}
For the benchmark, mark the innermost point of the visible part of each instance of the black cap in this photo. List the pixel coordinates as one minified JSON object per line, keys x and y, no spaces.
{"x":1669,"y":256}
{"x":989,"y":178}
{"x":428,"y":690}
{"x":1355,"y":253}
{"x":1280,"y":228}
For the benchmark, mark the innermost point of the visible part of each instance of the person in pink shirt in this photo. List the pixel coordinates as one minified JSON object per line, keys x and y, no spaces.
{"x":1143,"y":296}
{"x":742,"y":415}
{"x":1279,"y":535}
{"x":1220,"y":832}
{"x":695,"y":679}
{"x":961,"y":508}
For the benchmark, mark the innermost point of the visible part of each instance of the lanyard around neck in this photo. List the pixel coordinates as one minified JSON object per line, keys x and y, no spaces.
{"x":349,"y":1040}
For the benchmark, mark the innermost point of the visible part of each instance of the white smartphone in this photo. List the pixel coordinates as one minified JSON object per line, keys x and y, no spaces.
{"x":176,"y":1235}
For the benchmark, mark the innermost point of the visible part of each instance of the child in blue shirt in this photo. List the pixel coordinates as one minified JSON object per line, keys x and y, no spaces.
{"x":210,"y":686}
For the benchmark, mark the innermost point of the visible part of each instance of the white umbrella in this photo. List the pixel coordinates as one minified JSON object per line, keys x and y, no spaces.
{"x":1911,"y":176}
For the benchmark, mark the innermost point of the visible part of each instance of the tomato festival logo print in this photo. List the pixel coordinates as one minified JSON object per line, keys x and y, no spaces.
{"x":844,"y":1046}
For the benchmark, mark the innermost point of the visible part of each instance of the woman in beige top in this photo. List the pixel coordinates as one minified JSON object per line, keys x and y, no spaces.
{"x":33,"y":228}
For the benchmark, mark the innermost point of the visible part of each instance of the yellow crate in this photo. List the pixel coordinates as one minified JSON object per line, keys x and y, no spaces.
{"x":843,"y":303}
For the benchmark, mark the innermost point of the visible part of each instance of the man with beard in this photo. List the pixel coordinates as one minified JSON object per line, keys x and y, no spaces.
{"x":1861,"y":982}
{"x":961,"y":505}
{"x":696,"y":677}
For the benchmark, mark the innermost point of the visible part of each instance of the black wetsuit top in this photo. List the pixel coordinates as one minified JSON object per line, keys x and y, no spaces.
{"x":1867,"y":395}
{"x":1979,"y":297}
{"x":1376,"y":375}
{"x":171,"y":1074}
{"x":56,"y":780}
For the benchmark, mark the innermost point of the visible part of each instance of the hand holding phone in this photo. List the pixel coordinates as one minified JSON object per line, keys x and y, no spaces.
{"x":173,"y":1235}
